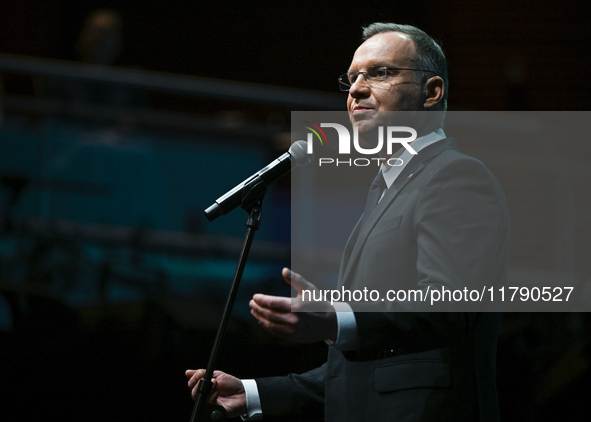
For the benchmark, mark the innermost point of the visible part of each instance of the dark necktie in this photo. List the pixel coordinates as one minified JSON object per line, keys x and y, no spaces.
{"x":373,"y":197}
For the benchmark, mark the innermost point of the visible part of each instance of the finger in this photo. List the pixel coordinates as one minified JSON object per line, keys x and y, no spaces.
{"x":272,"y":303}
{"x":195,"y":376}
{"x":296,"y":280}
{"x":278,"y":330}
{"x":272,"y":314}
{"x":195,"y":390}
{"x":190,"y":372}
{"x":194,"y":383}
{"x":276,"y":326}
{"x":287,"y":273}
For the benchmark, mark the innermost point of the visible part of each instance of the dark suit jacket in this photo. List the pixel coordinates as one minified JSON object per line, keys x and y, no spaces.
{"x":443,"y":223}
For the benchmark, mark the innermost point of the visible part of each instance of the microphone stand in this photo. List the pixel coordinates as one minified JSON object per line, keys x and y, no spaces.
{"x":252,"y":204}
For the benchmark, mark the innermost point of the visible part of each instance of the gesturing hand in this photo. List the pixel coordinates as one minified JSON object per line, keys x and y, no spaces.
{"x":294,"y":318}
{"x":227,"y":391}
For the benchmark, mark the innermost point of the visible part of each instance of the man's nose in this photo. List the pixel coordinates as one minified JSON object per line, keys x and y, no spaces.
{"x":360,"y":88}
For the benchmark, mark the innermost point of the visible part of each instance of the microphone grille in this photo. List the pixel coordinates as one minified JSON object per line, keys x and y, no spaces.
{"x":299,"y":153}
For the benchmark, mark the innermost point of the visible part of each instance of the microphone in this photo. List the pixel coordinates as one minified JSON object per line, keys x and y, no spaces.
{"x":297,"y":155}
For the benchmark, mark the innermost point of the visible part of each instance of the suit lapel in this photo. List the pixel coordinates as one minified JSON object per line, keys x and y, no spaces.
{"x":345,"y":258}
{"x":359,"y":235}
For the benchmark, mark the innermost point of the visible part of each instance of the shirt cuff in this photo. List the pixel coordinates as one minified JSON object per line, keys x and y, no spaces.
{"x":347,"y":327}
{"x":253,"y":401}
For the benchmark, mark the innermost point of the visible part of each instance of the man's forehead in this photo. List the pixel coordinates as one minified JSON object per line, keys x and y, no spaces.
{"x":387,"y":47}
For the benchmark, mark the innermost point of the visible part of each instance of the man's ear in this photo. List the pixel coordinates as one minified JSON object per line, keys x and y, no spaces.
{"x":434,"y":90}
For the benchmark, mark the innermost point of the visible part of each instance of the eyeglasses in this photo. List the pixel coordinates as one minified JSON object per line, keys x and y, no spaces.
{"x":374,"y":75}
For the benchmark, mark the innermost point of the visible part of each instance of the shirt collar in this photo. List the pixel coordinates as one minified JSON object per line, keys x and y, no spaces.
{"x":391,"y":173}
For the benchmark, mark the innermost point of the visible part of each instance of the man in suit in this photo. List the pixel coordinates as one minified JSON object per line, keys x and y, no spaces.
{"x":440,"y":222}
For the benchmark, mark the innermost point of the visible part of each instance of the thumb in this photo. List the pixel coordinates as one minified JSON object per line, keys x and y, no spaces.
{"x":296,"y":281}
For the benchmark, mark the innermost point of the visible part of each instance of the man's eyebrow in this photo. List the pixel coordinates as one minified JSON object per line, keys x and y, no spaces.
{"x":373,"y":66}
{"x":389,"y":65}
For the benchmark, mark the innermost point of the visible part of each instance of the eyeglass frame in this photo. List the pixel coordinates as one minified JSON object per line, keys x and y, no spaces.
{"x":345,"y":76}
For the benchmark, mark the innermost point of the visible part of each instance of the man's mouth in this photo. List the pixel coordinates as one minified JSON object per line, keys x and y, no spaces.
{"x":360,"y":111}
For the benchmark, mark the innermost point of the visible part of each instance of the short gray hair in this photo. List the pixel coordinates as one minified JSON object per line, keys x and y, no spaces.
{"x":430,"y":54}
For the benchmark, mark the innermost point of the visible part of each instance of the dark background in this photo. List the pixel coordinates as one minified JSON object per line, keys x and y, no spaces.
{"x":307,"y":45}
{"x":127,"y":362}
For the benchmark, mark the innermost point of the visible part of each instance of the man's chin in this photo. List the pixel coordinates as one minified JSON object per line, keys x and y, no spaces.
{"x":366,"y":127}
